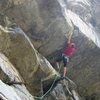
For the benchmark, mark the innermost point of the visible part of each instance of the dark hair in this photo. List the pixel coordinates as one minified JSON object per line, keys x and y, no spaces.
{"x":73,"y":45}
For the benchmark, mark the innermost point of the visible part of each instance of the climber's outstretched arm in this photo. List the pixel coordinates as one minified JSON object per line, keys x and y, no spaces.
{"x":70,"y":37}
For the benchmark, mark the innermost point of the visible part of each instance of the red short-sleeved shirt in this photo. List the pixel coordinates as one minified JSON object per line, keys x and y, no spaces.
{"x":69,"y":50}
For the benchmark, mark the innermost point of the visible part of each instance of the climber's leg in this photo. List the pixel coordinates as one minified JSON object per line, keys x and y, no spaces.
{"x":65,"y":61}
{"x":65,"y":71}
{"x":59,"y":59}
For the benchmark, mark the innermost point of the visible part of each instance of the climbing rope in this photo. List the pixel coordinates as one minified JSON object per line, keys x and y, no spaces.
{"x":66,"y":78}
{"x":41,"y":97}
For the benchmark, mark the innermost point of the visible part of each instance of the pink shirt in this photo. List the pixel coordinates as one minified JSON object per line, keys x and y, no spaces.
{"x":69,"y":50}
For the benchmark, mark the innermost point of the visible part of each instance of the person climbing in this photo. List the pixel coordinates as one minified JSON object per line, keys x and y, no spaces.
{"x":69,"y":50}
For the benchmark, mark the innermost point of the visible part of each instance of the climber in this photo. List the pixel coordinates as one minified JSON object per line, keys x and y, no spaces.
{"x":68,"y":51}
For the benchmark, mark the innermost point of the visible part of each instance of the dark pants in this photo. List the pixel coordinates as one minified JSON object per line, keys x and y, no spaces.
{"x":63,"y":58}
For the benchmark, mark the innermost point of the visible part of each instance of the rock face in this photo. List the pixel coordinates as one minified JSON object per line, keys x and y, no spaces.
{"x":64,"y":90}
{"x":45,"y":23}
{"x":35,"y":66}
{"x":10,"y":74}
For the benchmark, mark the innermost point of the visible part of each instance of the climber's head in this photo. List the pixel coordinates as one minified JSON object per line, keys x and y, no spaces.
{"x":73,"y":45}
